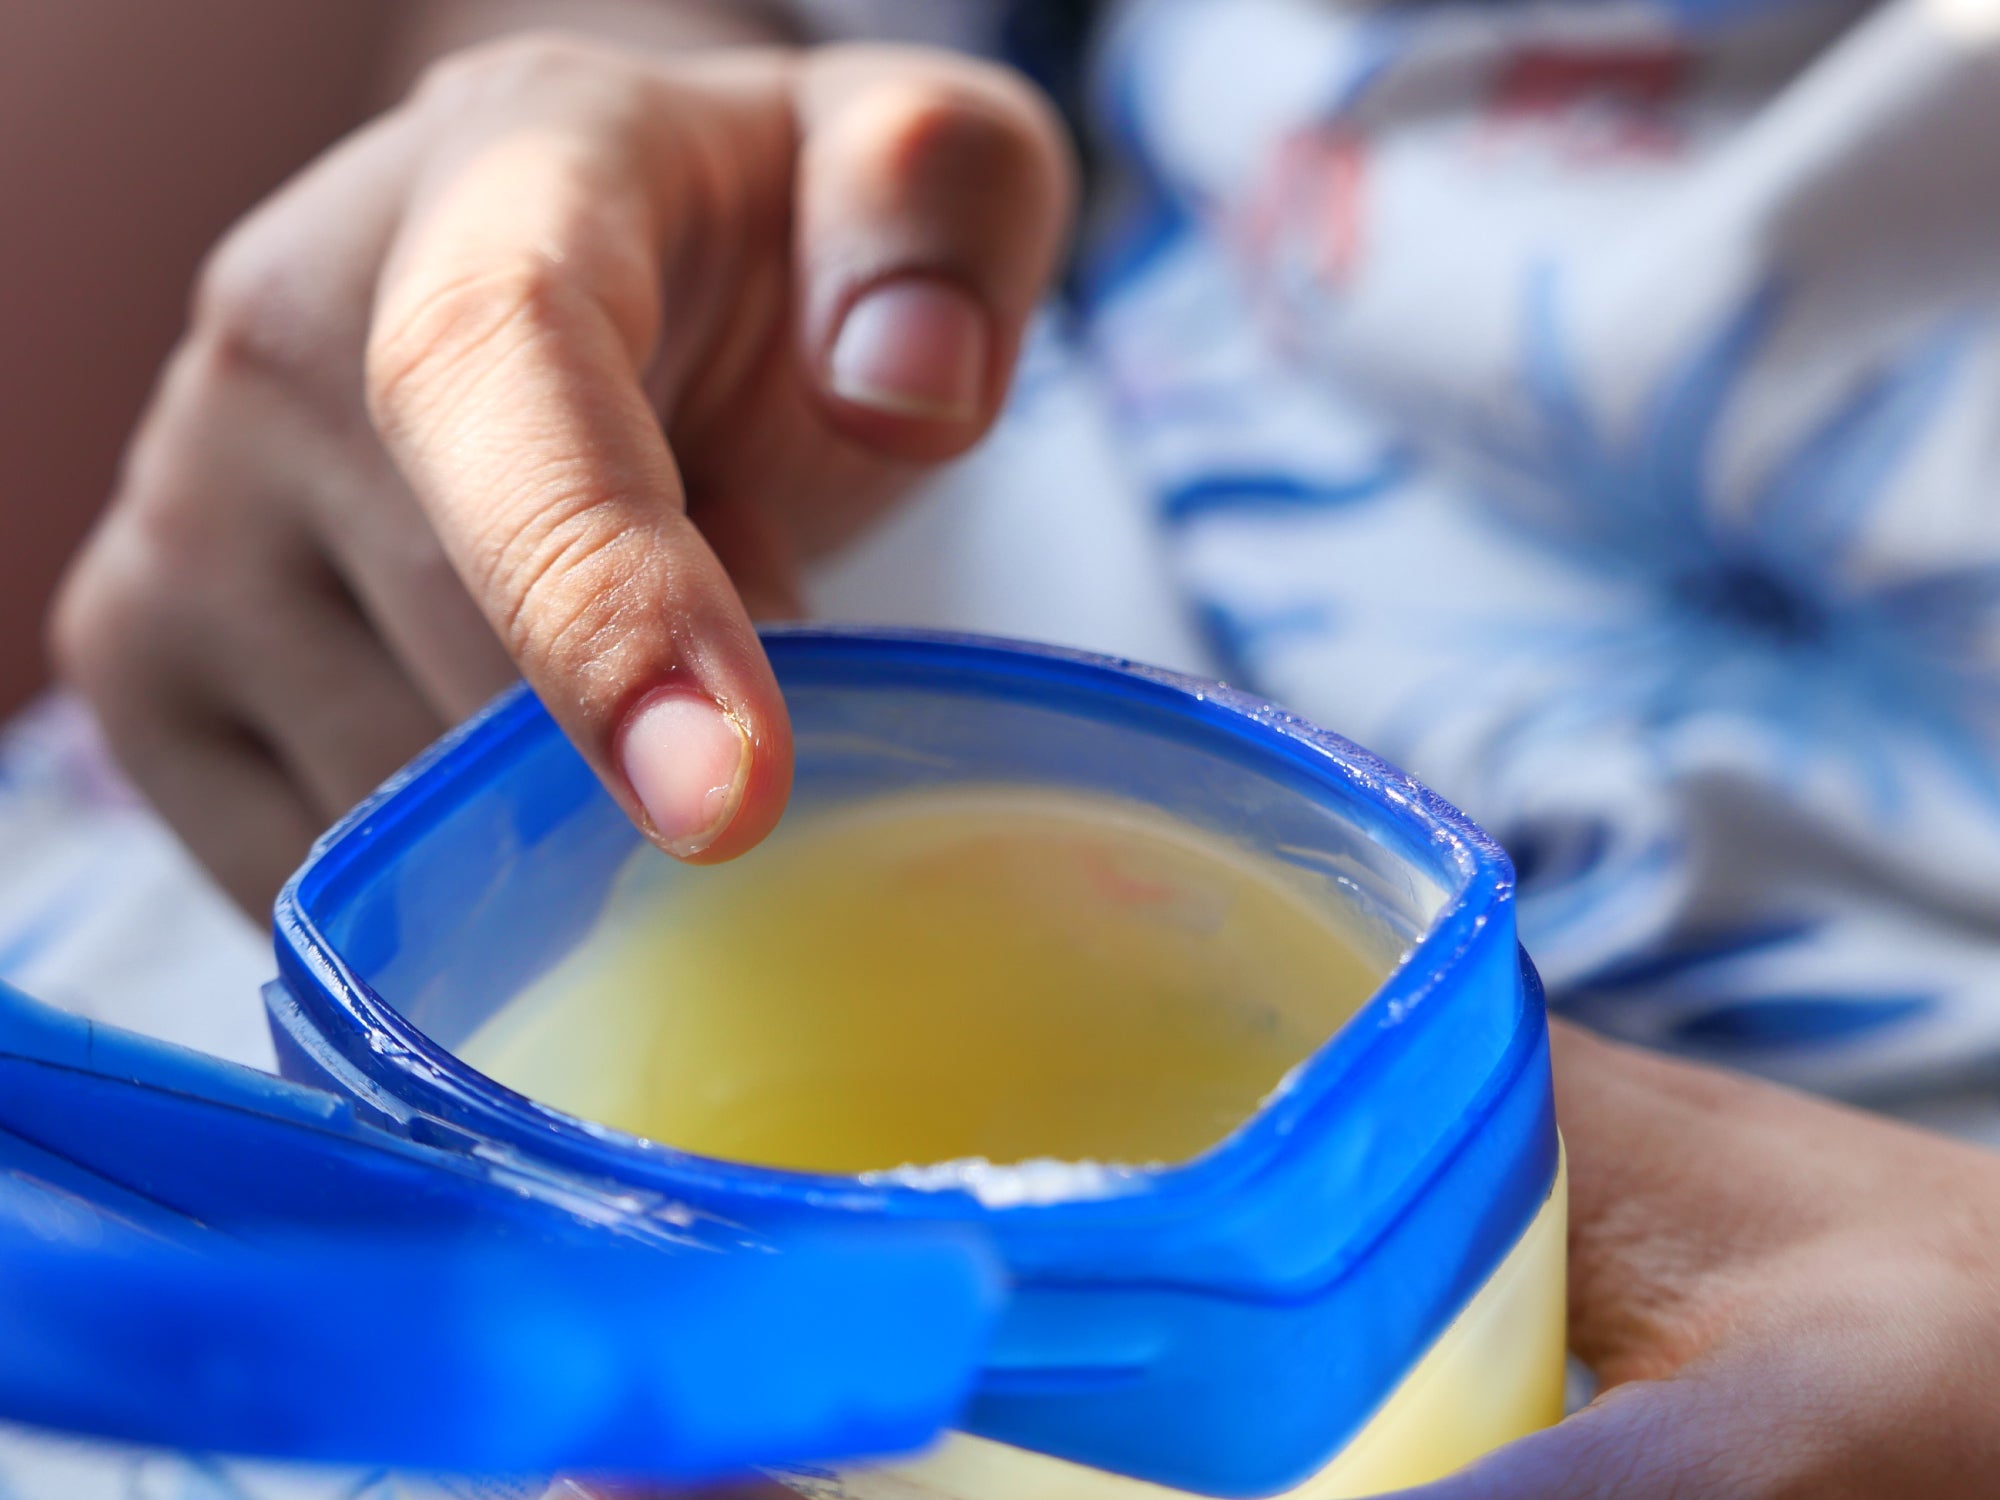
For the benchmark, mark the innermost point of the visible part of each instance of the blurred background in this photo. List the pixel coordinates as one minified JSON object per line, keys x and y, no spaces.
{"x":131,"y":134}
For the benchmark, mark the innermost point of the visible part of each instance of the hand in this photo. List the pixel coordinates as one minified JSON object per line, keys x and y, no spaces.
{"x":565,"y":365}
{"x":1783,"y":1298}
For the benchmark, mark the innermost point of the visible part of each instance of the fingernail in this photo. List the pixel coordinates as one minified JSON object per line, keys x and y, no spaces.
{"x":687,"y":760}
{"x":915,"y":347}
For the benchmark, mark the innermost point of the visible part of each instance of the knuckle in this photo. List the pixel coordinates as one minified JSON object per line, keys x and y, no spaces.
{"x":933,"y":126}
{"x":106,"y":617}
{"x":252,"y":312}
{"x":976,"y":126}
{"x":165,"y":522}
{"x":173,"y":545}
{"x":77,"y":639}
{"x":416,"y":353}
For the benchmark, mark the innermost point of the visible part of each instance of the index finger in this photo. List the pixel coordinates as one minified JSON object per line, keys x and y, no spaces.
{"x":519,"y":311}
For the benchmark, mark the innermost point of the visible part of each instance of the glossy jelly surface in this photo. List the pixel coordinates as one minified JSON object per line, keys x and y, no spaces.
{"x":998,"y":974}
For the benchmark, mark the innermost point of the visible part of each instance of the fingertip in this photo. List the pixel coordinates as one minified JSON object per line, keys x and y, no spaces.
{"x":687,"y":759}
{"x":708,"y":784}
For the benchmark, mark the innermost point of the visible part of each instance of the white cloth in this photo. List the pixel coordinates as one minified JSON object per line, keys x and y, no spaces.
{"x":101,"y":910}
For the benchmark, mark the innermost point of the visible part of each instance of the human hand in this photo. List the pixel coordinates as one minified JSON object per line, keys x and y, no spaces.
{"x":1781,"y":1298}
{"x":565,"y":365}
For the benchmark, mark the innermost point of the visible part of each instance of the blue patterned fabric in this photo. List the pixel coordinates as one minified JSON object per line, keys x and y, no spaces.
{"x":1588,"y":405}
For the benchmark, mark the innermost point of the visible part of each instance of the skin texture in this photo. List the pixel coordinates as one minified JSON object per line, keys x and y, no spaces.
{"x":535,"y":373}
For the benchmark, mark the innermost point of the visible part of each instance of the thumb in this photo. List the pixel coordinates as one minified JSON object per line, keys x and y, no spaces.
{"x":933,"y":196}
{"x":1664,"y":1440}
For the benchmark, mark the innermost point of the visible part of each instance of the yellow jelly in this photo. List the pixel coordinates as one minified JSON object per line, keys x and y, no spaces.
{"x":1002,"y":975}
{"x":1033,"y":989}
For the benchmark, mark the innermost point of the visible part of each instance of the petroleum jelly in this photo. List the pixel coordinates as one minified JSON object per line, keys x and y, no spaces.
{"x":1027,"y":994}
{"x":974,"y":977}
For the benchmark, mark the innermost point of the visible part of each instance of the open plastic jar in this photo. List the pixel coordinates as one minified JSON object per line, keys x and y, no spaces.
{"x":1352,"y":1283}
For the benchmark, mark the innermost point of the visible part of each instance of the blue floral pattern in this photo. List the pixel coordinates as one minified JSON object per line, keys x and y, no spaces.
{"x":1523,"y":445}
{"x":1757,"y":609}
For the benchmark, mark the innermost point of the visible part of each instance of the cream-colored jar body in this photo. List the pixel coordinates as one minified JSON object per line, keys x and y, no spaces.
{"x":1496,"y":1374}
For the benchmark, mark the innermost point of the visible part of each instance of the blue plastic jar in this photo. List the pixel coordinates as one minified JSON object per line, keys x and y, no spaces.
{"x":1233,"y":1326}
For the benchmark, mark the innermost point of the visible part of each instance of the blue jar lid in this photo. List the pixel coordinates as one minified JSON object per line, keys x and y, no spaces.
{"x":196,"y":1255}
